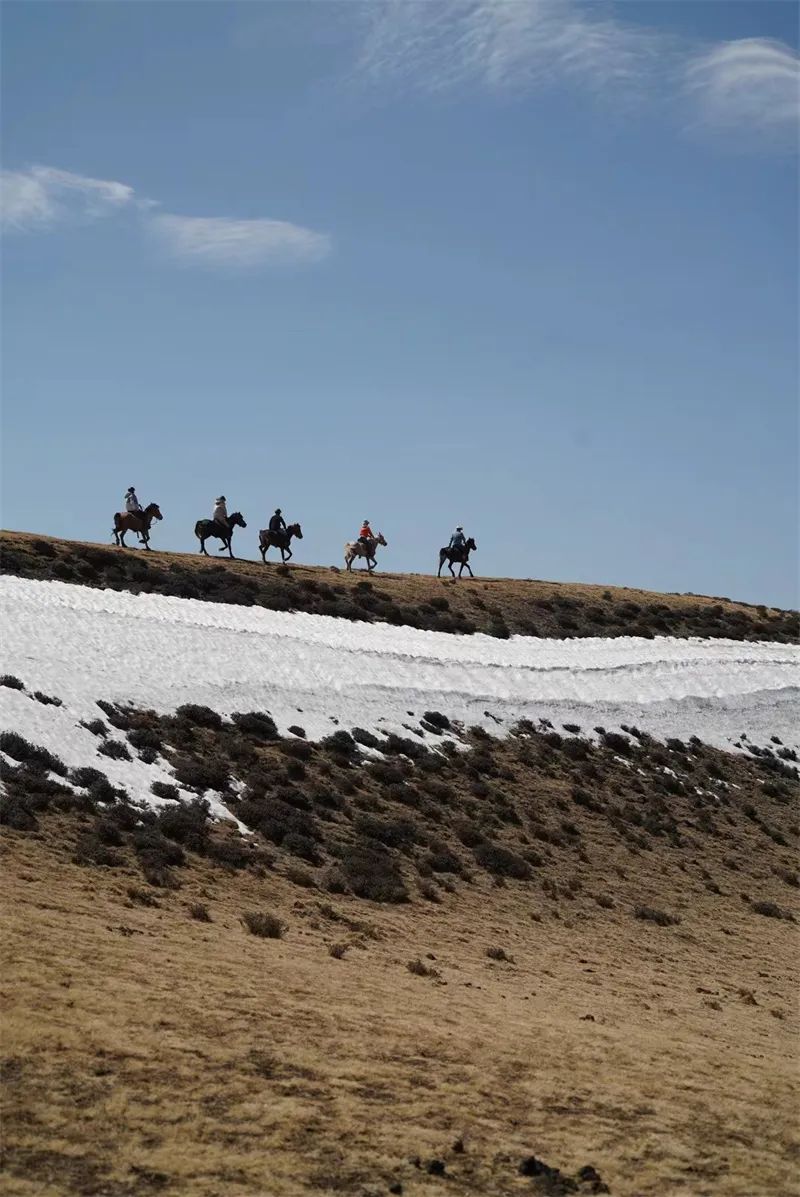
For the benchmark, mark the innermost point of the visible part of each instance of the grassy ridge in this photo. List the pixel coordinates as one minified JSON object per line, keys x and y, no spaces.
{"x":496,"y":606}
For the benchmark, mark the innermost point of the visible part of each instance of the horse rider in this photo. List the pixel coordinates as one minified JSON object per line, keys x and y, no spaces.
{"x":132,"y":504}
{"x":220,"y":515}
{"x":276,"y":522}
{"x":458,"y":540}
{"x":366,"y":534}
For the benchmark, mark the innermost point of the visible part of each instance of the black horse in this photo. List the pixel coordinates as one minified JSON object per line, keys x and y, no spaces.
{"x":204,"y":529}
{"x":280,"y":538}
{"x":457,"y":555}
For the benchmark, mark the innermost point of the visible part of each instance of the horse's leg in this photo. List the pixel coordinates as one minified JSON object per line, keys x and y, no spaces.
{"x":263,"y":554}
{"x":203,"y":549}
{"x":122,"y":538}
{"x":450,"y":567}
{"x":441,"y":563}
{"x":469,"y":567}
{"x":289,"y":555}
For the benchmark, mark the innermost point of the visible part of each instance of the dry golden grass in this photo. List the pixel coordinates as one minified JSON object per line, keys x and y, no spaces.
{"x":147,"y":1052}
{"x":527,"y":606}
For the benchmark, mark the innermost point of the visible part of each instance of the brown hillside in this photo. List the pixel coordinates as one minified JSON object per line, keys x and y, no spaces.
{"x":428,"y":973}
{"x":497,"y":606}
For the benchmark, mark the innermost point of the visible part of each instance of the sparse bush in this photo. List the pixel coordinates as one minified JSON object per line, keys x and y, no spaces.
{"x":200,"y":716}
{"x":338,"y":950}
{"x":300,"y":876}
{"x":114,"y":749}
{"x":199,"y":911}
{"x":499,"y":954}
{"x":429,"y":891}
{"x":47,"y":700}
{"x":142,"y":897}
{"x":302,"y":846}
{"x":263,"y":924}
{"x":13,"y":683}
{"x":156,"y":851}
{"x":500,"y":861}
{"x":90,"y":850}
{"x":257,"y":725}
{"x":233,"y":852}
{"x":186,"y":823}
{"x":372,"y":873}
{"x":651,"y":915}
{"x":361,"y":736}
{"x":206,"y":773}
{"x":96,"y":727}
{"x":771,"y":910}
{"x":422,"y":970}
{"x":145,"y":737}
{"x":164,"y":789}
{"x":604,"y":901}
{"x":20,"y":749}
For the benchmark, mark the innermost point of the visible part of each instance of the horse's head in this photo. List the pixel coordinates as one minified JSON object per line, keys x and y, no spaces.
{"x":153,"y":510}
{"x":295,"y":530}
{"x":379,"y":540}
{"x":471,"y":545}
{"x":236,"y":520}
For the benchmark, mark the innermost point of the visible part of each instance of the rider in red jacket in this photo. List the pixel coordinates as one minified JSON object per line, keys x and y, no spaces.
{"x":366,"y":533}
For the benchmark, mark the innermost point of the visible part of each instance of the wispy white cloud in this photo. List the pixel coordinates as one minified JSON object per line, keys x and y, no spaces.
{"x":751,"y":82}
{"x":501,"y":44}
{"x":218,"y":241}
{"x":42,"y":196}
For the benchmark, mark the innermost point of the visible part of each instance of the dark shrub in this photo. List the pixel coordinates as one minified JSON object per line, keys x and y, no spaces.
{"x":12,"y":682}
{"x":96,"y":727}
{"x":442,"y":859}
{"x":651,"y":915}
{"x":300,"y":876}
{"x":187,"y":823}
{"x":90,"y":850}
{"x":202,"y":774}
{"x":771,"y":910}
{"x":393,"y":833}
{"x":372,"y":872}
{"x":361,"y":736}
{"x":163,"y":789}
{"x":500,"y":861}
{"x":300,"y":732}
{"x":114,"y":749}
{"x":436,"y":719}
{"x":233,"y":852}
{"x":117,"y":716}
{"x":199,"y":911}
{"x":156,"y":851}
{"x":616,"y":743}
{"x":499,"y":954}
{"x":85,"y":777}
{"x":14,"y":812}
{"x":145,"y":737}
{"x":604,"y":901}
{"x":47,"y":700}
{"x":422,"y":970}
{"x":300,"y":750}
{"x":256,"y":724}
{"x":263,"y":924}
{"x":201,"y":716}
{"x":302,"y":846}
{"x":341,"y":743}
{"x":21,"y":749}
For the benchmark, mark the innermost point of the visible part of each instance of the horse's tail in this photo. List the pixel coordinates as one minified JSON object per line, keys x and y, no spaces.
{"x":198,"y":528}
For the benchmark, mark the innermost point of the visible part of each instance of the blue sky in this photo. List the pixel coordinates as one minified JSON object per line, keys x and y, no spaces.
{"x":529,"y":267}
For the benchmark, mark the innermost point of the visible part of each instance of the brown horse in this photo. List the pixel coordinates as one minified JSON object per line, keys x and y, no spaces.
{"x":135,"y":521}
{"x":280,"y":539}
{"x":203,"y":529}
{"x":358,"y":548}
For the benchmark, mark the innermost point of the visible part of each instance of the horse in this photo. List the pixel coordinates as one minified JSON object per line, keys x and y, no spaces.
{"x":462,"y":555}
{"x":204,"y":529}
{"x":135,"y":521}
{"x":357,"y":548}
{"x":280,"y":539}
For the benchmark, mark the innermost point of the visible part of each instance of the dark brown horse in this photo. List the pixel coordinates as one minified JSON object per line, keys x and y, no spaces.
{"x":135,"y":521}
{"x":462,"y":555}
{"x":280,"y":539}
{"x":204,"y":529}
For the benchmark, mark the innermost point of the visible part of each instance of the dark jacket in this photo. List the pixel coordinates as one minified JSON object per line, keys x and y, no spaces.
{"x":277,"y":523}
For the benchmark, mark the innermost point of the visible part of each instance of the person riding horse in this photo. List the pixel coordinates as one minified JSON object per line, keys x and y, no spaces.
{"x":457,"y":550}
{"x":458,"y":539}
{"x":220,"y":515}
{"x":276,"y":522}
{"x":133,"y":506}
{"x":366,"y":534}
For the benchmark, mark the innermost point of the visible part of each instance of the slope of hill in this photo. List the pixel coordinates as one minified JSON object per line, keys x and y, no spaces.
{"x":409,"y":956}
{"x":497,"y":606}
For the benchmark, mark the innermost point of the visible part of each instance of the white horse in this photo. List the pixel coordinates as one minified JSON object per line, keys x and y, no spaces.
{"x":357,"y":548}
